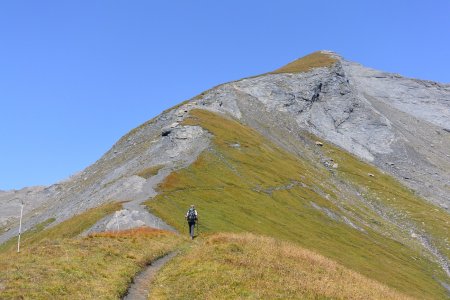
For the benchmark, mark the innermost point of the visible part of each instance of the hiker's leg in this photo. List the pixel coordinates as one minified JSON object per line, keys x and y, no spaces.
{"x":192,"y":225}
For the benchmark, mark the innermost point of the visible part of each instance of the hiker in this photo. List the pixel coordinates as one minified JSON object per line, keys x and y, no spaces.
{"x":192,"y":217}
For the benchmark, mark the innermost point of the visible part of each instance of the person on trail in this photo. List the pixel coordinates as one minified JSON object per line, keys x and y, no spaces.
{"x":191,"y":217}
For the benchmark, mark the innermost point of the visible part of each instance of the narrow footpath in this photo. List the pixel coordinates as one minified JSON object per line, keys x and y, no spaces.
{"x":141,"y":286}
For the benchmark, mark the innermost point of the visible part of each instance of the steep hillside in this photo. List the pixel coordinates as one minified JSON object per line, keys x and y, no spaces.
{"x":399,"y":124}
{"x":351,"y":212}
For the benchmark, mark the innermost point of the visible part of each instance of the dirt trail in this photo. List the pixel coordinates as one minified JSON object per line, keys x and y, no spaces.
{"x":140,"y":288}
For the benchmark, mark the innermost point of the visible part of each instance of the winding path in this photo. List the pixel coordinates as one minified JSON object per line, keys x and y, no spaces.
{"x":140,"y":288}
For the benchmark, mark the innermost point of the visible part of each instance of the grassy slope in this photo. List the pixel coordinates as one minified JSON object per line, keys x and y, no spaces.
{"x":56,"y":264}
{"x":237,"y":266}
{"x":67,"y":229}
{"x":226,"y":184}
{"x":149,"y":172}
{"x":307,"y":63}
{"x":383,"y":190}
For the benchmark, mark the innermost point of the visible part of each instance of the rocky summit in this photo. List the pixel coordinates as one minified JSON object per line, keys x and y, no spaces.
{"x":379,"y":142}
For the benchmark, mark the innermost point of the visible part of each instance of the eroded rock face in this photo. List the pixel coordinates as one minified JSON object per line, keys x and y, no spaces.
{"x":324,"y":103}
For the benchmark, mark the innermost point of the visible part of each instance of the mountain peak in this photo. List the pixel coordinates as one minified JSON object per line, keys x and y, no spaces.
{"x":318,"y":59}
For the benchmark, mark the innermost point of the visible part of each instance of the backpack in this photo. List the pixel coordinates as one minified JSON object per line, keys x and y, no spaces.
{"x":191,"y":217}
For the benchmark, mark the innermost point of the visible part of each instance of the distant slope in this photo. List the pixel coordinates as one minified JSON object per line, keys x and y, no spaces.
{"x":352,"y":214}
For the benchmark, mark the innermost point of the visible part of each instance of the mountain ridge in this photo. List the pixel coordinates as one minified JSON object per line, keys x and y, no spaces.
{"x":306,"y":94}
{"x":307,"y":97}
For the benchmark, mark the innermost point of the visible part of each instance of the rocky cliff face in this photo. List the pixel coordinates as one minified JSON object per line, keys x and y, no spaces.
{"x":401,"y":125}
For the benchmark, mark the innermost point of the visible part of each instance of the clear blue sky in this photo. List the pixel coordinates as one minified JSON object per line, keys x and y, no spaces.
{"x":77,"y":75}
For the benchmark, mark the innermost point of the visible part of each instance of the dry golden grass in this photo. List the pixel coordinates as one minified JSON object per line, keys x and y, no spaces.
{"x":100,"y":266}
{"x":236,"y":266}
{"x":306,"y":63}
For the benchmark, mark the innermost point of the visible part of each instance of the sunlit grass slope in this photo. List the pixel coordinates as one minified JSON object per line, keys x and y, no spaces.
{"x":233,"y":266}
{"x":381,"y":190}
{"x":56,"y":264}
{"x":316,"y":59}
{"x":257,"y":187}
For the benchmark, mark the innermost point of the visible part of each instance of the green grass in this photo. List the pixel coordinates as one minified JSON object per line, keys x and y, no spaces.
{"x":307,"y":63}
{"x":384,"y":190}
{"x":27,"y":237}
{"x":79,"y":223}
{"x":246,"y":266}
{"x":227,"y":184}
